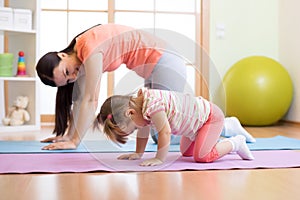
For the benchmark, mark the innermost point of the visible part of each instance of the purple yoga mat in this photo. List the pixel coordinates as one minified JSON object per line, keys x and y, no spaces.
{"x":92,"y":162}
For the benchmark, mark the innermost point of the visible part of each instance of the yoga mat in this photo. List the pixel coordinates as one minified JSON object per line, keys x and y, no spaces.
{"x":93,"y":162}
{"x":274,"y":143}
{"x":88,"y":146}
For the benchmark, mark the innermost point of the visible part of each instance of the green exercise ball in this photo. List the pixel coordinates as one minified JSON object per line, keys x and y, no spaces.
{"x":258,"y":91}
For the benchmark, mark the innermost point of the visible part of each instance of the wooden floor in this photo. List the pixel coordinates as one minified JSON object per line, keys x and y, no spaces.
{"x":266,"y":184}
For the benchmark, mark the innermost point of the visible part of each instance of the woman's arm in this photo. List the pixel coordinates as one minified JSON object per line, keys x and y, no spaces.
{"x":88,"y":106}
{"x":84,"y":116}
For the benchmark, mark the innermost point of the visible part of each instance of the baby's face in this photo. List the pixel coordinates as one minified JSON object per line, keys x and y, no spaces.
{"x":130,"y":128}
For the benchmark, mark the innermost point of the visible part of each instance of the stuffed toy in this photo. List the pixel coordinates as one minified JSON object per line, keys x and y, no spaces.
{"x":17,"y":114}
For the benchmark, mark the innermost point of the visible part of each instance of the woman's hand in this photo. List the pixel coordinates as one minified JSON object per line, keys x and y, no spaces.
{"x":60,"y":145}
{"x":151,"y":162}
{"x":131,"y":156}
{"x":55,"y":139}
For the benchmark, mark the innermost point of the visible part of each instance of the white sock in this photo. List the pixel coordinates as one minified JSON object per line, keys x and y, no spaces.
{"x":233,"y":127}
{"x":240,"y":147}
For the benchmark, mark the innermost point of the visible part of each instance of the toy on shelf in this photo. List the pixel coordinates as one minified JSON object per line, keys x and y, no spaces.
{"x":6,"y":64}
{"x":17,"y":114}
{"x":21,"y":65}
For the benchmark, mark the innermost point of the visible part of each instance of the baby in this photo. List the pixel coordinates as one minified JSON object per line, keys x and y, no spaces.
{"x":198,"y":121}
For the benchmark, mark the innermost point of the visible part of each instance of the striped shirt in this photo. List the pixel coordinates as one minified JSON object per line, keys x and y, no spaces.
{"x":186,"y":113}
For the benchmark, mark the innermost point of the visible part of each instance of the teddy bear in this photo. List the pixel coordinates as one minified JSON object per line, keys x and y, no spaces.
{"x":17,"y":114}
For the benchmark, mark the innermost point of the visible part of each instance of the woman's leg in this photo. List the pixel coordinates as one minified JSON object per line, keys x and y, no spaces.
{"x":168,"y":74}
{"x":233,"y":127}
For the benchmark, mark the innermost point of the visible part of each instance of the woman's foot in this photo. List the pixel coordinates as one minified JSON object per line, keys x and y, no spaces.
{"x":175,"y":139}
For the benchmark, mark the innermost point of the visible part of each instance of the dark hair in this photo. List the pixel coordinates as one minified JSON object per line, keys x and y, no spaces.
{"x":44,"y":68}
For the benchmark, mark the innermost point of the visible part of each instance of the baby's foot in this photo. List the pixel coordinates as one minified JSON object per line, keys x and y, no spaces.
{"x":233,"y":127}
{"x":240,"y":147}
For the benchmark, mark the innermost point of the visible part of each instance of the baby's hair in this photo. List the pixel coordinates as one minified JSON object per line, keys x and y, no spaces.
{"x":112,"y":117}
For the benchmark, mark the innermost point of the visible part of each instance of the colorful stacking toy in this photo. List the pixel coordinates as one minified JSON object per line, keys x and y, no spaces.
{"x":21,"y":65}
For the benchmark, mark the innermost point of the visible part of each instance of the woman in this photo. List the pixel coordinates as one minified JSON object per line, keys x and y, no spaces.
{"x":103,"y":48}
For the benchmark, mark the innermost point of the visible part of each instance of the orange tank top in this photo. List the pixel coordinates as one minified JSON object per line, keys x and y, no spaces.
{"x":137,"y":49}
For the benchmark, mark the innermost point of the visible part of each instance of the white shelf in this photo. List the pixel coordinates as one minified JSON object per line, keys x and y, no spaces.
{"x":17,"y":78}
{"x":13,"y":40}
{"x":12,"y":30}
{"x":25,"y":127}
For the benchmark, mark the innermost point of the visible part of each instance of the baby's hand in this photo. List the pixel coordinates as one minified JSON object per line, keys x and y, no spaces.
{"x":151,"y":162}
{"x":131,"y":156}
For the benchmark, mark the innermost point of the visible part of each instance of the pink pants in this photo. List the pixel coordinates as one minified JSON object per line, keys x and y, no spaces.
{"x":203,"y":148}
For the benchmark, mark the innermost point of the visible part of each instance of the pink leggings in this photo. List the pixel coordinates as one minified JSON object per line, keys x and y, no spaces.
{"x":203,"y":147}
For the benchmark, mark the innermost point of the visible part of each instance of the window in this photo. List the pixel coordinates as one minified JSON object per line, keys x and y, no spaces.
{"x":61,"y":20}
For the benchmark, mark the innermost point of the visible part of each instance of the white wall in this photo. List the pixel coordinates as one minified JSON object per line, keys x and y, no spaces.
{"x":238,"y":29}
{"x":289,"y":49}
{"x":241,"y":28}
{"x":250,"y":28}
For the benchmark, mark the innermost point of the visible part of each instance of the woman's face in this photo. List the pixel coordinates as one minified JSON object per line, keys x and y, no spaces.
{"x":67,"y":70}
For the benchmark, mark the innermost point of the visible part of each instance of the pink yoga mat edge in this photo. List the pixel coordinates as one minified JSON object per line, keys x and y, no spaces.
{"x":108,"y":162}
